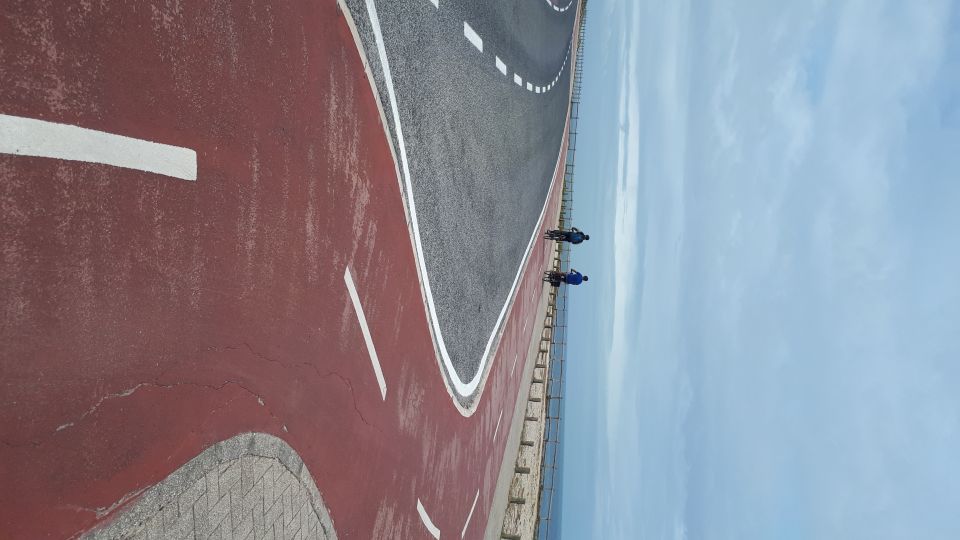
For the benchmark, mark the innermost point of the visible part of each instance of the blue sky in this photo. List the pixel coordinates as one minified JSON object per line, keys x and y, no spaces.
{"x":769,"y":345}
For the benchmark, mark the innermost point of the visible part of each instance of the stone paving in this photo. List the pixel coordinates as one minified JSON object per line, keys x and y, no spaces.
{"x":251,"y":486}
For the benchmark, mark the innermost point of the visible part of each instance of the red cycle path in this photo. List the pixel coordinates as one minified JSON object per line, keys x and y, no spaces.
{"x":146,"y":318}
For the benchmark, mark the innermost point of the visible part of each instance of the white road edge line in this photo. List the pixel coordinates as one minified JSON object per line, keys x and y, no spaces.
{"x":472,"y":36}
{"x":39,"y":138}
{"x":461,"y":388}
{"x":470,"y":515}
{"x":355,"y":298}
{"x":497,"y":430}
{"x":434,"y":531}
{"x":558,"y":8}
{"x":501,"y":66}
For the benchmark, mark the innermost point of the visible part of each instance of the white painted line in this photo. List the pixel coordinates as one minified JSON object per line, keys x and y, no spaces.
{"x":458,"y":385}
{"x":355,"y":298}
{"x":501,"y":66}
{"x":518,"y":79}
{"x":464,"y":389}
{"x":470,"y":515}
{"x":557,"y":8}
{"x":472,"y":36}
{"x":39,"y":138}
{"x":498,"y":425}
{"x":529,"y":87}
{"x":436,"y":3}
{"x":514,"y":366}
{"x":434,"y":531}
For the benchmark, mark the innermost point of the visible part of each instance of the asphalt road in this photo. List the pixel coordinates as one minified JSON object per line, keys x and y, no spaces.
{"x":481,"y":148}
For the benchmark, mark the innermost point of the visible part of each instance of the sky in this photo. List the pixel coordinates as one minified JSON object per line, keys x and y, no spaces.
{"x":769,"y":344}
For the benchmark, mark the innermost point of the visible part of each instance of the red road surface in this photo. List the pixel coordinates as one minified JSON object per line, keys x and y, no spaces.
{"x":146,"y":318}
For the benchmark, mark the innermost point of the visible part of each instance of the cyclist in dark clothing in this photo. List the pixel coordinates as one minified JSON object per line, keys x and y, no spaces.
{"x":570,"y":278}
{"x":574,"y":235}
{"x":574,"y":278}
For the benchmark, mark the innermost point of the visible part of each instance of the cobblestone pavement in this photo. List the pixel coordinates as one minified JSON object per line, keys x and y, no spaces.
{"x":250,"y":486}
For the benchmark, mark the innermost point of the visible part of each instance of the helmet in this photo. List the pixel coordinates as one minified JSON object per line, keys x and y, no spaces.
{"x":586,"y":237}
{"x":585,"y":278}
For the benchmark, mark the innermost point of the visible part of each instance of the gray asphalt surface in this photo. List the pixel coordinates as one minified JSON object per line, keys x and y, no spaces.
{"x":481,"y":149}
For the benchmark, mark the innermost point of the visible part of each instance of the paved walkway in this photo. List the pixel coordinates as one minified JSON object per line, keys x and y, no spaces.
{"x":250,"y":486}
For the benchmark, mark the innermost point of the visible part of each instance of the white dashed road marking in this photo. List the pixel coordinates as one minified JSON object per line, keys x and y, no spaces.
{"x":355,"y":298}
{"x":538,"y":89}
{"x":39,"y":138}
{"x":472,"y":36}
{"x":470,"y":515}
{"x":427,"y":522}
{"x":501,"y":66}
{"x":557,"y":8}
{"x":497,"y":430}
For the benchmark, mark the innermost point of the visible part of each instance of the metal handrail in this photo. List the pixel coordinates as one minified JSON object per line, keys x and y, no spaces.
{"x":555,"y":377}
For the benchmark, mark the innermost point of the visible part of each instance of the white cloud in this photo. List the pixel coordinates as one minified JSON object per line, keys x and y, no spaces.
{"x":807,"y":392}
{"x":784,"y":304}
{"x":626,"y":251}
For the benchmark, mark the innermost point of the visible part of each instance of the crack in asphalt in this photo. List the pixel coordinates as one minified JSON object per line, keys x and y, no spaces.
{"x":344,"y":379}
{"x":134,"y":389}
{"x":216,"y":387}
{"x":353,"y":395}
{"x":105,"y":510}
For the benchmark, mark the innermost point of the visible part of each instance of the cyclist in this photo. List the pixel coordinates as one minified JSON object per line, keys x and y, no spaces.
{"x":570,"y":278}
{"x":574,"y":235}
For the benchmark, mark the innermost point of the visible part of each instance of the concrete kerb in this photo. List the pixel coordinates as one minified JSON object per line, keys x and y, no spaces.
{"x":520,"y":517}
{"x":521,"y":414}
